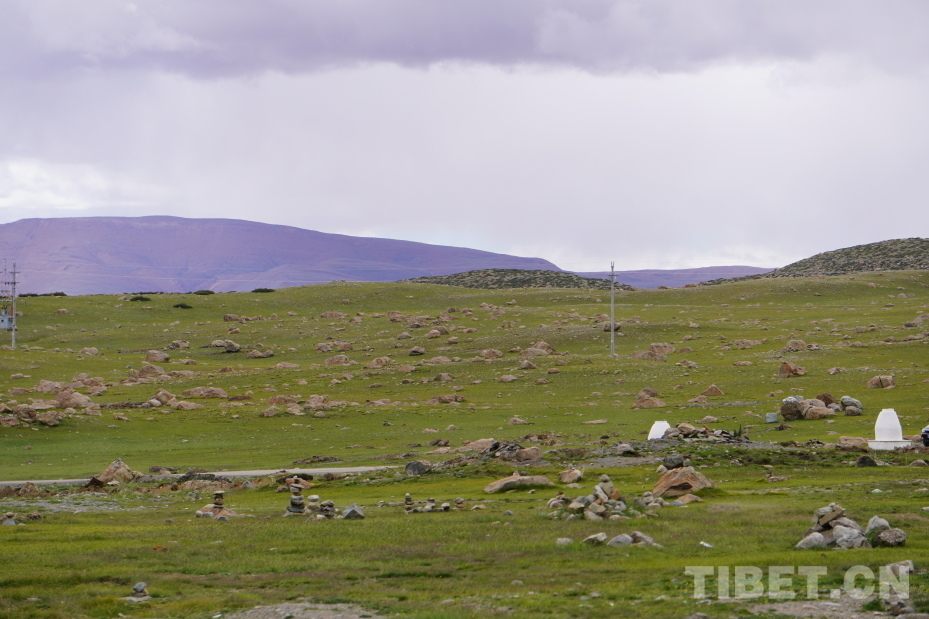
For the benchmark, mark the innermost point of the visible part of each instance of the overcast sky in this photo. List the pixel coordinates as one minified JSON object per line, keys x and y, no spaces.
{"x":656,"y":133}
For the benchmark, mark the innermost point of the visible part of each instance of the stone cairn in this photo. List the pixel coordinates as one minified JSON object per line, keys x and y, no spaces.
{"x":833,"y":529}
{"x":606,"y":503}
{"x":217,"y":508}
{"x":9,"y":519}
{"x":297,"y":507}
{"x":409,"y":506}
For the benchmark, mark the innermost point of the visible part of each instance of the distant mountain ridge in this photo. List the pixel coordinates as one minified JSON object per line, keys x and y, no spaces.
{"x":675,"y":278}
{"x":94,"y":255}
{"x":891,"y":255}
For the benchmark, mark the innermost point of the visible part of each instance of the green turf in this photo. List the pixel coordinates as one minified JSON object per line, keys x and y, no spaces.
{"x":410,"y":565}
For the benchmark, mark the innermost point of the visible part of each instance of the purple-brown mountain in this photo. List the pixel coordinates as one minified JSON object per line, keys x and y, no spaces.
{"x":95,"y":255}
{"x":92,"y":255}
{"x":675,"y":278}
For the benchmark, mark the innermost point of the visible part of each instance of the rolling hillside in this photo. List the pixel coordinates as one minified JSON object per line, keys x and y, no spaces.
{"x":94,"y":255}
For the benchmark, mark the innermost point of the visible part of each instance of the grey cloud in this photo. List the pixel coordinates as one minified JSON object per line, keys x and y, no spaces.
{"x":214,"y":38}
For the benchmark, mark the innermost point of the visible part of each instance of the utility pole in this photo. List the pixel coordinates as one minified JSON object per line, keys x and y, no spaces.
{"x":13,"y":316}
{"x":8,"y":302}
{"x":612,"y":310}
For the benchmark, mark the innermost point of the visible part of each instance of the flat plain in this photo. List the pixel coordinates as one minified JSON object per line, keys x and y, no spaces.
{"x":87,"y":550}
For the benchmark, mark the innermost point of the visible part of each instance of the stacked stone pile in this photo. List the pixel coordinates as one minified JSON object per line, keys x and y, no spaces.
{"x":833,"y":529}
{"x":794,"y":407}
{"x":688,"y":431}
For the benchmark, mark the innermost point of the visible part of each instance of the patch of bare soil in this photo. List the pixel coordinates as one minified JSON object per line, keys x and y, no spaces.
{"x":305,"y":610}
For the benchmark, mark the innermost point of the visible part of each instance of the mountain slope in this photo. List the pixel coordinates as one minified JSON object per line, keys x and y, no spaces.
{"x":892,"y":255}
{"x":92,"y":255}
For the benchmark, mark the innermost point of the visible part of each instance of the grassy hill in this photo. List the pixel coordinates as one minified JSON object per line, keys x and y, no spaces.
{"x":893,"y":255}
{"x":87,"y":550}
{"x":495,"y":279}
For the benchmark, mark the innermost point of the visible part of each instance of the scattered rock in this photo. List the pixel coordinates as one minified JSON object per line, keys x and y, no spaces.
{"x":157,"y":356}
{"x":789,"y":370}
{"x":880,"y":382}
{"x":517,"y":481}
{"x":620,"y":540}
{"x":683,"y":480}
{"x":813,"y":540}
{"x":865,"y":460}
{"x":596,"y":539}
{"x":353,"y":512}
{"x":417,"y":467}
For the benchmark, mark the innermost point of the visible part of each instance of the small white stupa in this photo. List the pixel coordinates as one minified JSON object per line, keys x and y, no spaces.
{"x":888,"y":434}
{"x":658,"y":430}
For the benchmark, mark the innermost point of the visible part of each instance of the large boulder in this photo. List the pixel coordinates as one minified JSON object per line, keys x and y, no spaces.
{"x":680,"y":481}
{"x":378,"y":362}
{"x":880,"y":382}
{"x":338,"y":360}
{"x":150,"y":371}
{"x":847,"y":401}
{"x":117,"y":471}
{"x":418,"y":467}
{"x":517,"y":481}
{"x":50,"y":418}
{"x":811,"y":541}
{"x":69,"y":398}
{"x":817,"y":412}
{"x":48,"y":386}
{"x":157,"y":356}
{"x":789,"y":370}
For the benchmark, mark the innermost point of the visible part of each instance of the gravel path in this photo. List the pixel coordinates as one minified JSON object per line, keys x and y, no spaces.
{"x":305,"y":610}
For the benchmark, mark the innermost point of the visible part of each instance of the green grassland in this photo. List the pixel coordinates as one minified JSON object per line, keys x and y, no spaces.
{"x":458,"y":564}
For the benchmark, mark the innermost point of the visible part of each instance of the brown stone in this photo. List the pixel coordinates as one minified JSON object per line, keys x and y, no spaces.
{"x":880,"y":382}
{"x":789,"y":370}
{"x":649,"y":403}
{"x":684,"y":480}
{"x":157,"y":356}
{"x":817,"y":412}
{"x":661,"y":348}
{"x":68,"y":398}
{"x":338,"y":360}
{"x":517,"y":481}
{"x":527,"y":454}
{"x":713,"y":390}
{"x":648,"y":355}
